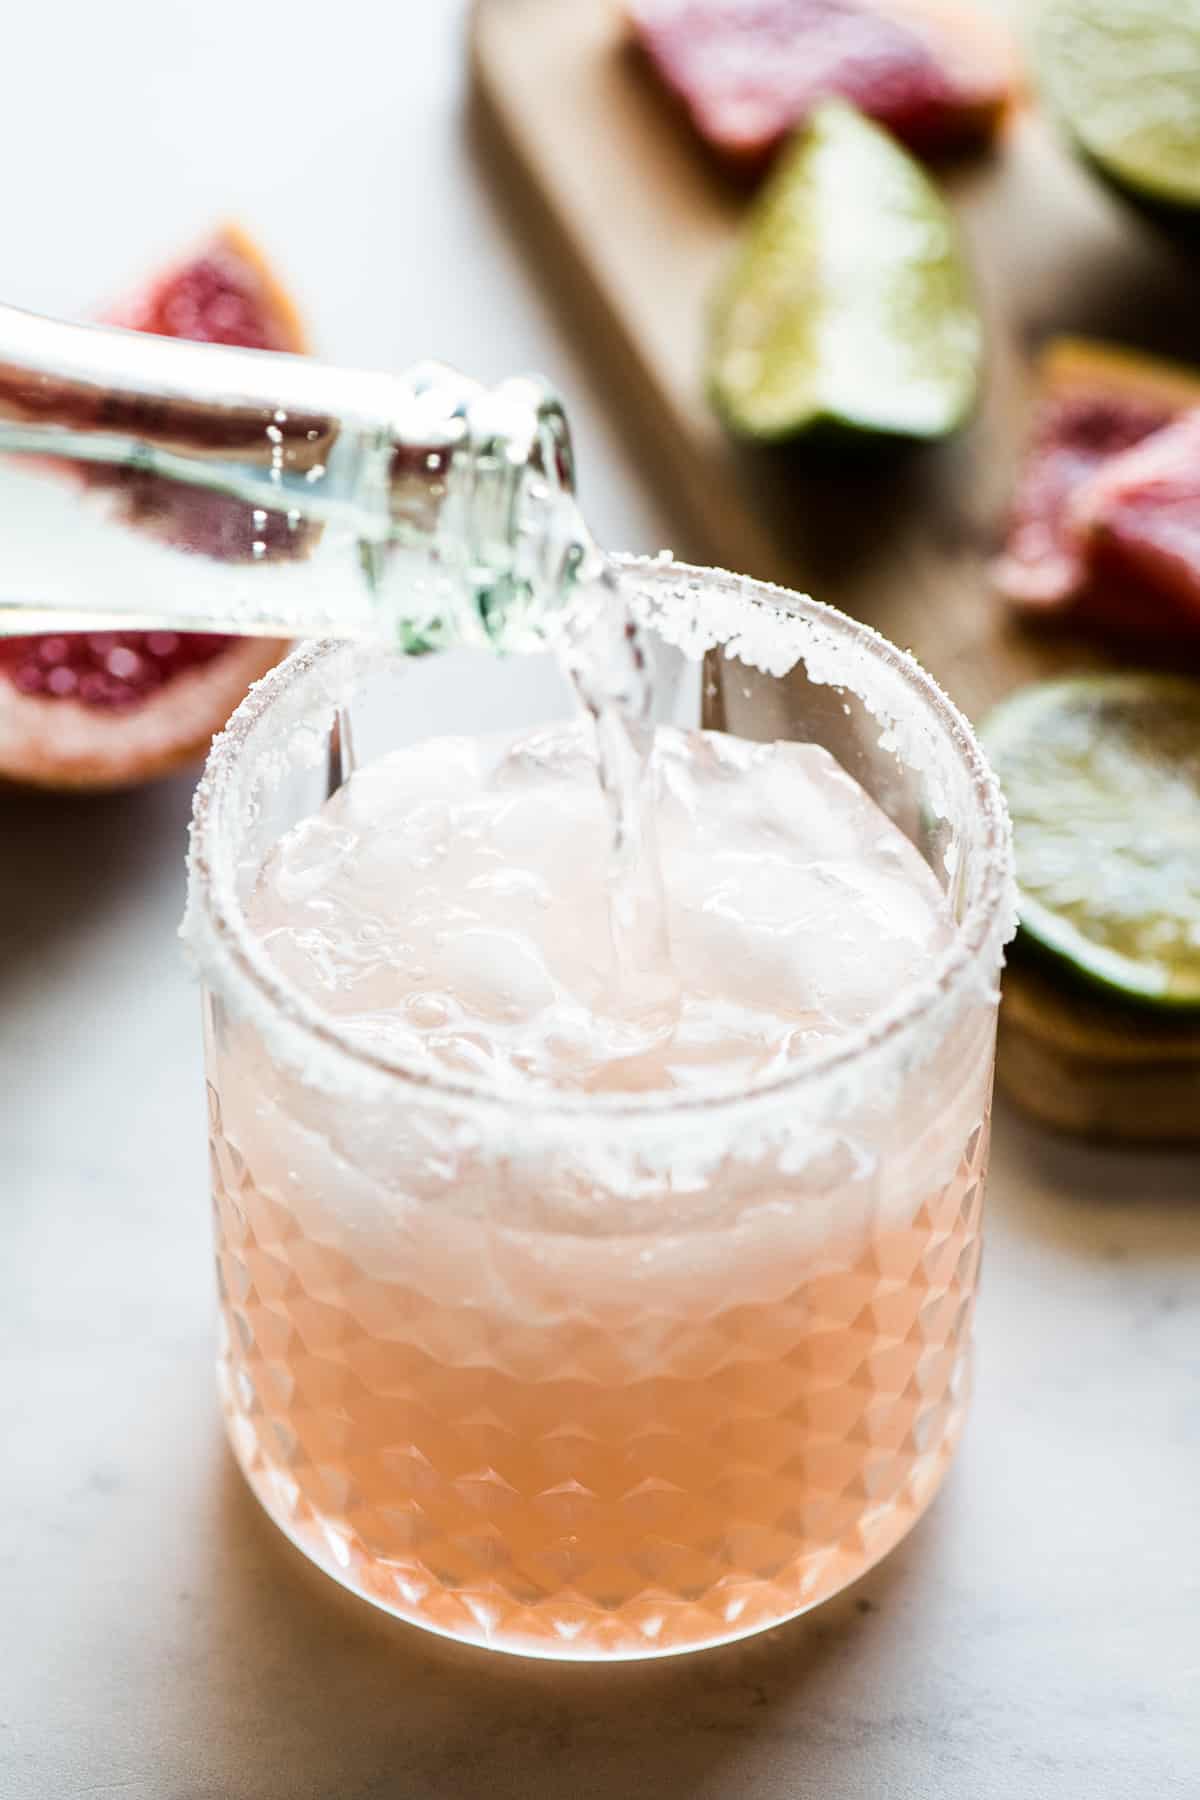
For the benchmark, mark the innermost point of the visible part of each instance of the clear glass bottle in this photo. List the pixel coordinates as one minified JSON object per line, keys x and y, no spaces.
{"x":147,"y":481}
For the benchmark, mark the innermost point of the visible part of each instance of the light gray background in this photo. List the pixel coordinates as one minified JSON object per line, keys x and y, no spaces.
{"x":1036,"y":1639}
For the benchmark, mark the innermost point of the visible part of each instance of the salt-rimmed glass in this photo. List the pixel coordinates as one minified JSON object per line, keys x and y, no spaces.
{"x":601,"y":1376}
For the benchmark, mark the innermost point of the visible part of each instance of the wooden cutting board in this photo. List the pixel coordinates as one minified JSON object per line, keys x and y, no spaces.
{"x":629,"y":224}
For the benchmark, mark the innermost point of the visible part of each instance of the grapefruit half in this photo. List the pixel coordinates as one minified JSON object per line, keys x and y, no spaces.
{"x":108,"y":709}
{"x":1097,"y":406}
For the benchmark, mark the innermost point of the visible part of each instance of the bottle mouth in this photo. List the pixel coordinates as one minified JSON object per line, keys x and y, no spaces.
{"x":701,"y":611}
{"x":517,"y":526}
{"x":484,"y":535}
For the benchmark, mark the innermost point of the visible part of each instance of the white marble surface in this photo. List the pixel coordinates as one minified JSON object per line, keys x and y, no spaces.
{"x":1039,"y":1636}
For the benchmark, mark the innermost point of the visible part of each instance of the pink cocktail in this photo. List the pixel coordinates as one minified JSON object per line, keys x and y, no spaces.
{"x":561,"y":1324}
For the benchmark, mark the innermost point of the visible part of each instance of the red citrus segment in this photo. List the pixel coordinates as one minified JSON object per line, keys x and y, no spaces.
{"x":1140,"y":519}
{"x":1044,"y":562}
{"x":208,"y":303}
{"x":104,"y":668}
{"x":64,"y":745}
{"x":106,"y":709}
{"x":1095,"y":403}
{"x":224,"y":293}
{"x":749,"y":72}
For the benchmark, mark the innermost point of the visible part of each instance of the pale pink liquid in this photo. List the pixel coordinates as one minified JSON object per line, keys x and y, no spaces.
{"x":555,"y":1398}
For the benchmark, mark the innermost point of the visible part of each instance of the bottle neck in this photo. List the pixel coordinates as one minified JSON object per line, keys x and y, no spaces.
{"x":485,"y":539}
{"x":223,"y":489}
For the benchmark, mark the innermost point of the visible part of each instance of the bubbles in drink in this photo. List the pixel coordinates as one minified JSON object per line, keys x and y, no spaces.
{"x":453,"y":905}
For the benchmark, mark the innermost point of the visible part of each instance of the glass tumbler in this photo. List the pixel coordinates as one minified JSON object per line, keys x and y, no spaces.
{"x":601,"y":1375}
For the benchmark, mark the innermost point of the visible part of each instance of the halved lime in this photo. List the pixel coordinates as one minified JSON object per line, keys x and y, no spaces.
{"x":849,"y":301}
{"x":1102,"y":776}
{"x":1125,"y":75}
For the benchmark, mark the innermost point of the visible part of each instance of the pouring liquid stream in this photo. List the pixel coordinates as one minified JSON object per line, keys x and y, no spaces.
{"x":605,"y":657}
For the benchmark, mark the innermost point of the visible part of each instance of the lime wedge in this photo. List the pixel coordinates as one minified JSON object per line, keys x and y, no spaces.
{"x":849,"y":302}
{"x":1102,"y":775}
{"x":1125,"y":75}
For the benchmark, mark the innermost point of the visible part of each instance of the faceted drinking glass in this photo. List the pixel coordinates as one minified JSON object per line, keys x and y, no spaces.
{"x":601,"y":1375}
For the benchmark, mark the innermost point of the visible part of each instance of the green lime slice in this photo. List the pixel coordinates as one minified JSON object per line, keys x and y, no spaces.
{"x":1102,"y":776}
{"x":1125,"y":75}
{"x":849,"y":301}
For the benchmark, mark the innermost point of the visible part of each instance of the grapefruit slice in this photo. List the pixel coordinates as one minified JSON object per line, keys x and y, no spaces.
{"x":111,"y":709}
{"x":748,"y":72}
{"x":224,"y":293}
{"x":1140,"y":521}
{"x":1096,"y":402}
